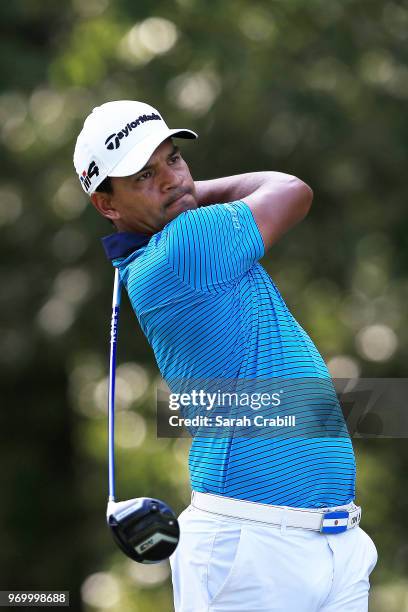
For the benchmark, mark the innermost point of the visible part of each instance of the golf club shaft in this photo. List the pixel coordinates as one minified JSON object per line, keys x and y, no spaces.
{"x":111,"y":396}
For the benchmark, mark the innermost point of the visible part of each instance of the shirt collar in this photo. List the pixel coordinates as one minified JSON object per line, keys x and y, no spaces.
{"x":123,"y":244}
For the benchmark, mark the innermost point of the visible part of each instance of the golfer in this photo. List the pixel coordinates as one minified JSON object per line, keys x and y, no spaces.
{"x":272,"y":525}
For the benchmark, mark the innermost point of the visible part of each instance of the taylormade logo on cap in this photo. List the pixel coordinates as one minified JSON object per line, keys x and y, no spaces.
{"x":117,"y":139}
{"x":113,"y":141}
{"x":86,"y":177}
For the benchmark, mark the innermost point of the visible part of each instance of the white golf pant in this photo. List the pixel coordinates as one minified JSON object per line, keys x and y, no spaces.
{"x":225,"y":564}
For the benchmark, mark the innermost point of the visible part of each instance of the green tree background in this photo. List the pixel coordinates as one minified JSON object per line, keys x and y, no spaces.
{"x":314,"y":88}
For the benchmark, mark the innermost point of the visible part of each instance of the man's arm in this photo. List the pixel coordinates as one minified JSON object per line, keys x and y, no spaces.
{"x":278,"y":201}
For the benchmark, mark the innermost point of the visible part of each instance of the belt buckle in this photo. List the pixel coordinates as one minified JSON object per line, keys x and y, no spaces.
{"x":335,"y":522}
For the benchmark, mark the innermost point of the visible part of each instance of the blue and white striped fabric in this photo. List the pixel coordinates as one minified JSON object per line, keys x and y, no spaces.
{"x":210,"y":311}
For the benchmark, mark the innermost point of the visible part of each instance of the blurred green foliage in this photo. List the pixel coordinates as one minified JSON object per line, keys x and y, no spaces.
{"x":317,"y":89}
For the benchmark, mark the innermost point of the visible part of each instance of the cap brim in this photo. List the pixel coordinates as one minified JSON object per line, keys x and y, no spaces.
{"x":137,"y":157}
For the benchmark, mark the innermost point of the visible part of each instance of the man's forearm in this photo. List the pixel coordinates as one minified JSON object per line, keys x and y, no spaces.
{"x":236,"y":187}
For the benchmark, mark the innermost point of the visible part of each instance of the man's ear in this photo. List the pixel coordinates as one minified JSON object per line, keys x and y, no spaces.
{"x":103,"y":203}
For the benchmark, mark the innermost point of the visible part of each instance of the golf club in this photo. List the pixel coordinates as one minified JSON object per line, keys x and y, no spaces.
{"x":145,"y":529}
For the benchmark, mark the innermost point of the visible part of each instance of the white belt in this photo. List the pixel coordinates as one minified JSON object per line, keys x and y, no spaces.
{"x":326,"y":520}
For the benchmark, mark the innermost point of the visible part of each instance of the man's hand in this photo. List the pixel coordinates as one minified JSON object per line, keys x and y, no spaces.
{"x":278,"y":201}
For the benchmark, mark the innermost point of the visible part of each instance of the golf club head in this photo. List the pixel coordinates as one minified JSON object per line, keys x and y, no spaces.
{"x":145,"y":529}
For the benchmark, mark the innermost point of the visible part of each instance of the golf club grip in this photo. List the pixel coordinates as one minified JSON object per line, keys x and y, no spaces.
{"x":116,"y":290}
{"x":111,"y":393}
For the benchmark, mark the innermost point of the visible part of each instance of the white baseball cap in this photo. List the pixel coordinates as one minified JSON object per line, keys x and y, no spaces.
{"x":117,"y":139}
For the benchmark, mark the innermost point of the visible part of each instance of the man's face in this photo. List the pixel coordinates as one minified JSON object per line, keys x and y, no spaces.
{"x":148,"y":200}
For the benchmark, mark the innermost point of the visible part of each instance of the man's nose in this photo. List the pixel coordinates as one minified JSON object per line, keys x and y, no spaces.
{"x":170,"y":179}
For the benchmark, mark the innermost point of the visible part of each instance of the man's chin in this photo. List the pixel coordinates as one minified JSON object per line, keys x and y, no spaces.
{"x":185,"y":202}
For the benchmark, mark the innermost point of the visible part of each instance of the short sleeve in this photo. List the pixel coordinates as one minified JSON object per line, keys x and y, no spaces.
{"x":213,"y":245}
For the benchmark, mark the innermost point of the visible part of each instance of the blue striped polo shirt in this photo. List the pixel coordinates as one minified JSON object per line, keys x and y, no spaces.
{"x":211,"y":312}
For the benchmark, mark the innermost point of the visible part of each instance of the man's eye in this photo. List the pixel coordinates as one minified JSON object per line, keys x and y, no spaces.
{"x":175,"y":158}
{"x":144,"y":176}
